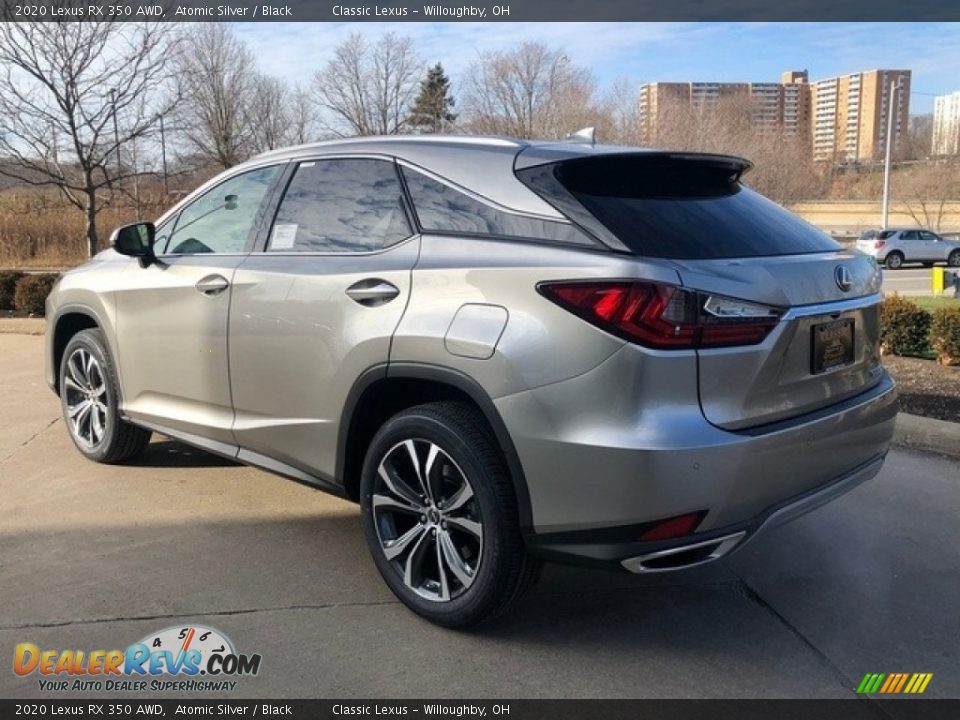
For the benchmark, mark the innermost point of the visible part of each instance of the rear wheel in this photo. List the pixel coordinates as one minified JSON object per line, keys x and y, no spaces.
{"x":440,"y":516}
{"x":954,"y":259}
{"x":894,"y":261}
{"x":89,"y":398}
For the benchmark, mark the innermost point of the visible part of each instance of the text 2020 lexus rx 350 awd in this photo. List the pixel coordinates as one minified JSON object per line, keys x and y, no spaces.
{"x":505,"y":351}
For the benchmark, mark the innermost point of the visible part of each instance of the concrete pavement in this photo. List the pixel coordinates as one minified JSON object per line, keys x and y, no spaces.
{"x":98,"y":557}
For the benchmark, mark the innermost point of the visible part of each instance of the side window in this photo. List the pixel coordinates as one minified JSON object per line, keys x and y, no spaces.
{"x":927,"y":236}
{"x":348,"y":205}
{"x":909,"y":235}
{"x":220,"y":220}
{"x":442,"y":208}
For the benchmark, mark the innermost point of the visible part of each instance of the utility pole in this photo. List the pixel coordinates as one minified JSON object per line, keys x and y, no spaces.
{"x":891,"y":109}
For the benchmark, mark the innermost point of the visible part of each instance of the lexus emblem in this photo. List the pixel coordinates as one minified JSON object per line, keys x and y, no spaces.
{"x":843,"y":277}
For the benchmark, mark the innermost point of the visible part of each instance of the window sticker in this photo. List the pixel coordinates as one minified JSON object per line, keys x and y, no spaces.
{"x":284,"y":236}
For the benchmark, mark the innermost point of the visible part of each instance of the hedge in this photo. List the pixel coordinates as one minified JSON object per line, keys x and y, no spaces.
{"x":945,"y":335}
{"x":8,"y":284}
{"x":904,"y":327}
{"x":31,"y":292}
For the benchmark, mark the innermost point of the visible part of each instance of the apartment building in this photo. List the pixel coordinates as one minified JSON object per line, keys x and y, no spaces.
{"x":946,"y":124}
{"x":771,"y":106}
{"x":849,"y":114}
{"x":844,"y":117}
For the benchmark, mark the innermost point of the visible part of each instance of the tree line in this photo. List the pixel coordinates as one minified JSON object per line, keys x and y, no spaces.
{"x":90,"y":108}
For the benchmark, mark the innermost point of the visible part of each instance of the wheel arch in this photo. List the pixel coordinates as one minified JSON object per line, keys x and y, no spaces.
{"x":382,"y":391}
{"x":68,"y":321}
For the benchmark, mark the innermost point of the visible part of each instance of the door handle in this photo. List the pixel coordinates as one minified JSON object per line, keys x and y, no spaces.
{"x":212,"y":284}
{"x":373,"y":292}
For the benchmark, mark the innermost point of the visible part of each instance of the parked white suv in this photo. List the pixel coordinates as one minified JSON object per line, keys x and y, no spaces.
{"x":894,"y":247}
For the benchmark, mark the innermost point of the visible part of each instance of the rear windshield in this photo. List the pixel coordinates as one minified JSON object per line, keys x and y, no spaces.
{"x":673,"y":207}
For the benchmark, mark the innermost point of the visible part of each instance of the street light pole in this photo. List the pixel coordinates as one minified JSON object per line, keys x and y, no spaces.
{"x":891,"y":109}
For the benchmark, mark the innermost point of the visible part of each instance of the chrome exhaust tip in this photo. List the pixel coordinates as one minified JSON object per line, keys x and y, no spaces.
{"x":684,"y":556}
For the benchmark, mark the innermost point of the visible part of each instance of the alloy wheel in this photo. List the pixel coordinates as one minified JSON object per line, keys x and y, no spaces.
{"x":86,"y":398}
{"x":427,"y":520}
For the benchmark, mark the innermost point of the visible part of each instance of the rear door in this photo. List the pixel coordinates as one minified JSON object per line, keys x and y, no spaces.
{"x":316,"y":306}
{"x":908,"y":241}
{"x":934,"y":248}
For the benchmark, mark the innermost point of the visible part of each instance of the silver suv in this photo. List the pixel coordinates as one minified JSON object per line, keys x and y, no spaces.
{"x":893,"y":248}
{"x":505,"y":352}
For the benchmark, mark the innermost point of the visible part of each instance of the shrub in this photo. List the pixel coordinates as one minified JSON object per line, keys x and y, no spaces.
{"x":31,"y":292}
{"x":8,"y":283}
{"x":904,"y":327}
{"x":945,"y":335}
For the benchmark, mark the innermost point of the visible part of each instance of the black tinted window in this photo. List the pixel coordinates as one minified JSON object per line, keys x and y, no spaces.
{"x":340,"y":206}
{"x":442,"y":208}
{"x":674,"y":207}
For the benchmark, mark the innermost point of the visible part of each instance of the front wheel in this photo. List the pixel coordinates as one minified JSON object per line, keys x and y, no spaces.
{"x":954,"y":259}
{"x":89,"y":398}
{"x":894,"y":261}
{"x":440,"y":516}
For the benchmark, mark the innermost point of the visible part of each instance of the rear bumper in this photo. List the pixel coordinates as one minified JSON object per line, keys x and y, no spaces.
{"x":702,"y":550}
{"x":599,"y":476}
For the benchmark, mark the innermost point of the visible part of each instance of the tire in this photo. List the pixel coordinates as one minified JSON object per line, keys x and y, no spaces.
{"x":87,"y":379}
{"x":466,"y":518}
{"x":953,"y":260}
{"x":894,"y":261}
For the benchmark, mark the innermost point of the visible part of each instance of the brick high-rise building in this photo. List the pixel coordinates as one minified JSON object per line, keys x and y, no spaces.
{"x":845,"y":117}
{"x":849,"y":114}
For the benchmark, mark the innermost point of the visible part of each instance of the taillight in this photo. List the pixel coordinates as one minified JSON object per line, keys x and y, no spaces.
{"x":879,"y":244}
{"x":663,"y":316}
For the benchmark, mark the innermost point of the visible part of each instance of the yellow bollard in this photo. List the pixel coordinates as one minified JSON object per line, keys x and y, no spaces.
{"x":936,"y":281}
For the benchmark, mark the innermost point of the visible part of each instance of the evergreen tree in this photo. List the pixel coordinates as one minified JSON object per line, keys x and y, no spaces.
{"x":431,"y":111}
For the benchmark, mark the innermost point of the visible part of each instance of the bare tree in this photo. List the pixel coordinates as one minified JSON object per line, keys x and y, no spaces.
{"x":71,"y":94}
{"x":533,"y":91}
{"x":366,"y":89}
{"x":925,"y":190}
{"x":269,"y":114}
{"x":302,"y":121}
{"x":218,"y":74}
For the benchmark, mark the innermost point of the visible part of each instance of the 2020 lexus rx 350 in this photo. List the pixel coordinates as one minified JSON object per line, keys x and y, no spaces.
{"x":506,"y":352}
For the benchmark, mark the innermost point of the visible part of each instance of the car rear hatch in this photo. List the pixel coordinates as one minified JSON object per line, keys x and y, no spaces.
{"x":748,"y":260}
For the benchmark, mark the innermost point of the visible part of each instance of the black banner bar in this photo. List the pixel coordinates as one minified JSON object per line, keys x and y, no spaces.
{"x":478,"y":10}
{"x":860,"y":709}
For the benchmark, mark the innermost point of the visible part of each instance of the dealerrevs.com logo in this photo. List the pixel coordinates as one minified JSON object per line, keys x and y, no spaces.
{"x":193,"y":658}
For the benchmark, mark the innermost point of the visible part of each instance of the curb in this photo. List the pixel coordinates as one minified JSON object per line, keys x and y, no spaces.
{"x":922,"y":433}
{"x":23,"y":326}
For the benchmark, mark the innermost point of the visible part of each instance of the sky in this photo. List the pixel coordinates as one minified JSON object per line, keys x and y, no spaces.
{"x":649,"y":52}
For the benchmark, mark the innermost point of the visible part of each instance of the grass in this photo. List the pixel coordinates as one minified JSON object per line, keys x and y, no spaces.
{"x":933,"y":303}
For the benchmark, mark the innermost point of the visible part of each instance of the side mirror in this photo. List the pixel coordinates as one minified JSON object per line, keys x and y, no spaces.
{"x":135,"y":240}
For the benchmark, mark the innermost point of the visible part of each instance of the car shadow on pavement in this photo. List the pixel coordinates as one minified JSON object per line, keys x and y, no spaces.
{"x":170,"y":453}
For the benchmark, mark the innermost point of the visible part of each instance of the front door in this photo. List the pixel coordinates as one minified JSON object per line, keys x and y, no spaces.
{"x":172,"y":316}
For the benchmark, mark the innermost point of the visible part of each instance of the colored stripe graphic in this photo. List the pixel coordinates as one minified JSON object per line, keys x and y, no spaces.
{"x":894,"y":683}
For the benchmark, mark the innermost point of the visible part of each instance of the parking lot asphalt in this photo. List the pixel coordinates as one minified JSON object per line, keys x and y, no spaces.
{"x":97,"y":557}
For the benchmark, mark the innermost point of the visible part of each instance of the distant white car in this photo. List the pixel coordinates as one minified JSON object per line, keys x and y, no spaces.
{"x":896,"y":246}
